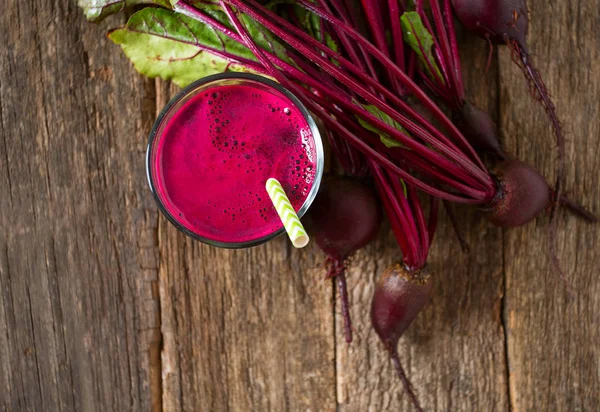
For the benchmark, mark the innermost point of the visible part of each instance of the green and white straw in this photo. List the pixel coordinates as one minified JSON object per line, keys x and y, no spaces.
{"x":287,"y":214}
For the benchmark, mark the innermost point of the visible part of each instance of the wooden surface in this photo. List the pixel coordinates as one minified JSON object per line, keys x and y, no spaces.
{"x":105,"y":306}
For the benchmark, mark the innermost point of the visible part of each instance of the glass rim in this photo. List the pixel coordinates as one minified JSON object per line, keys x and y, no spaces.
{"x":166,"y":114}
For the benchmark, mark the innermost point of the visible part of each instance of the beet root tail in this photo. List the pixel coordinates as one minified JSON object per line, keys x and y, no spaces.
{"x":337,"y":271}
{"x":404,"y":379}
{"x":577,"y":209}
{"x":343,"y":291}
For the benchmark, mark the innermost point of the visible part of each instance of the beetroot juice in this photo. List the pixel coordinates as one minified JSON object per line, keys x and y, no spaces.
{"x":214,"y":148}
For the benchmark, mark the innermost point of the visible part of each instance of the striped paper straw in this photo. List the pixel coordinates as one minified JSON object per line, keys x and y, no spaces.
{"x":287,"y":214}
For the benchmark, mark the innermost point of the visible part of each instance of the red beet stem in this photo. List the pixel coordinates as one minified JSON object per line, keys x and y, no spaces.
{"x":399,"y":74}
{"x":394,"y":11}
{"x":460,"y":88}
{"x":402,"y":224}
{"x":341,"y":129}
{"x":373,"y":14}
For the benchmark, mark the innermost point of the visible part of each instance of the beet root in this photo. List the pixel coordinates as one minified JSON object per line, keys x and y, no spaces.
{"x":399,"y":296}
{"x":495,"y":20}
{"x":523,"y":194}
{"x":344,"y":217}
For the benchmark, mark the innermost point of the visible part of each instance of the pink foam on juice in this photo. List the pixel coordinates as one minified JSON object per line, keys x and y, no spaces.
{"x":216,"y":153}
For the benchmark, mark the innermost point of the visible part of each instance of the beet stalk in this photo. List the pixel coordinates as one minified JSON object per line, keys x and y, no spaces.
{"x":451,"y":168}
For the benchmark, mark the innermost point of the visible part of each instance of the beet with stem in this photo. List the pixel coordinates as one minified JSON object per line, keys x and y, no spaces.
{"x":477,"y":125}
{"x":507,"y":22}
{"x":522,"y":194}
{"x":400,"y":295}
{"x":404,"y":288}
{"x":344,"y":217}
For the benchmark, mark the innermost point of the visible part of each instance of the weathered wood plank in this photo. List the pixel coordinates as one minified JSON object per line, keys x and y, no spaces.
{"x":454,"y":351}
{"x":554,"y":338}
{"x":244,"y":330}
{"x":77,"y":224}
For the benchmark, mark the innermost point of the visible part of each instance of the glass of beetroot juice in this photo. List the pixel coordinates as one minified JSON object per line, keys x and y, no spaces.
{"x":213,"y":148}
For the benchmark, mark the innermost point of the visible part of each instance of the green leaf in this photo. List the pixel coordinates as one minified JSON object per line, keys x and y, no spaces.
{"x":96,"y":10}
{"x":306,"y":20}
{"x":420,"y":40}
{"x":331,"y":43}
{"x":261,"y":36}
{"x":264,"y":38}
{"x":175,"y":47}
{"x":384,"y":137}
{"x":388,"y":141}
{"x":404,"y":188}
{"x":309,"y":21}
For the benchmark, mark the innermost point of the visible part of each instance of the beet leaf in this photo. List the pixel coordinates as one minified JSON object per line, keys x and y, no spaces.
{"x":384,"y":137}
{"x":416,"y":35}
{"x":170,"y":45}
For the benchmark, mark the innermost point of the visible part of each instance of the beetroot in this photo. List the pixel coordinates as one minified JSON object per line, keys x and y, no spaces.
{"x":499,"y":21}
{"x":399,"y":296}
{"x":522,"y":194}
{"x":481,"y":131}
{"x":344,"y":217}
{"x":494,"y":19}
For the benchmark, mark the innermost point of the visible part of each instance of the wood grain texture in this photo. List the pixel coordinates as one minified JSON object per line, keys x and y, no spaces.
{"x":554,"y":338}
{"x":77,"y":226}
{"x":249,"y":331}
{"x":105,"y":306}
